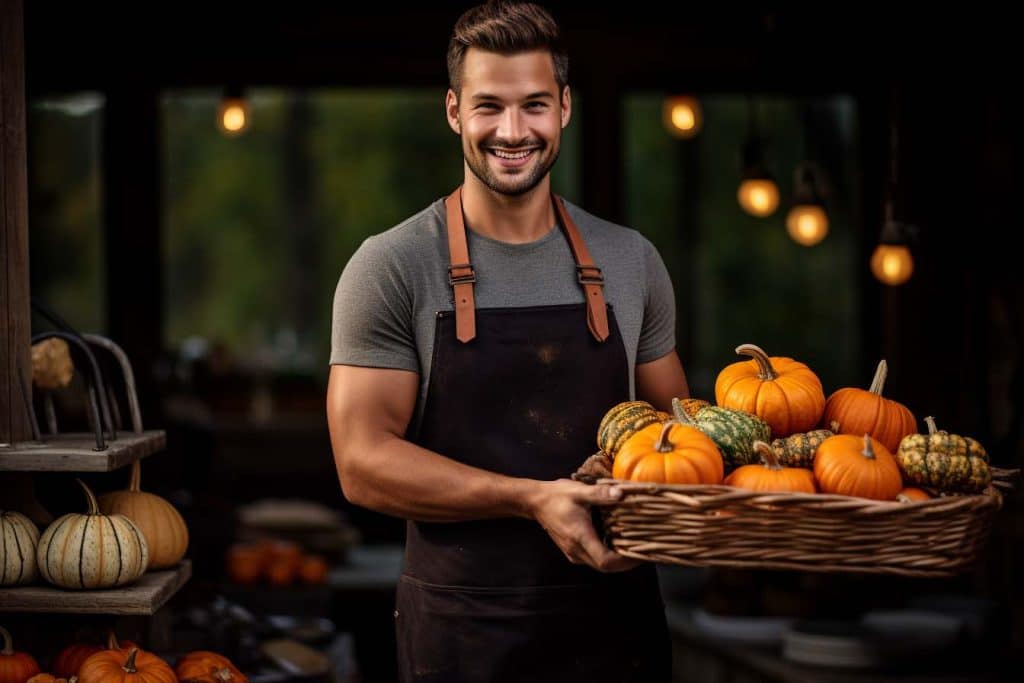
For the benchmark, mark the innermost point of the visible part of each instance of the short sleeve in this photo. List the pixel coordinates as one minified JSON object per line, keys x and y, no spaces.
{"x":372,"y":321}
{"x":658,"y":333}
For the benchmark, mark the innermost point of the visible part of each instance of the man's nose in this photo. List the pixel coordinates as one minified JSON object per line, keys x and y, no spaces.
{"x":511,"y":127}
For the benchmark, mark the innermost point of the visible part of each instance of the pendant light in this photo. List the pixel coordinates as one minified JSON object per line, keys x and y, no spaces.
{"x":682,"y":116}
{"x":233,"y":112}
{"x":892,"y":263}
{"x":758,"y":194}
{"x":807,"y":221}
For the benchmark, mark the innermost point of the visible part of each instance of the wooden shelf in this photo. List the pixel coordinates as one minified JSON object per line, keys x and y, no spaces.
{"x":76,"y":452}
{"x":144,"y":597}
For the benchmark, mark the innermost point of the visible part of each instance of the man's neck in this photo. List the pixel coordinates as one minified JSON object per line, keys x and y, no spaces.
{"x":517,"y":220}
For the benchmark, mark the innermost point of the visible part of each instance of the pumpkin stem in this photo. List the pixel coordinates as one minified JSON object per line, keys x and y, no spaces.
{"x":680,"y":414}
{"x":932,"y":427}
{"x":94,"y":508}
{"x":881,"y":372}
{"x":765,"y":370}
{"x":129,"y":665}
{"x":8,"y":647}
{"x":112,"y":643}
{"x":768,"y":457}
{"x":223,"y":674}
{"x":868,"y":451}
{"x":663,"y":445}
{"x":136,"y":479}
{"x":835,"y":426}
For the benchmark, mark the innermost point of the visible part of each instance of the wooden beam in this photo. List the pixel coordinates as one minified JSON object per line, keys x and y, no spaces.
{"x":15,"y":311}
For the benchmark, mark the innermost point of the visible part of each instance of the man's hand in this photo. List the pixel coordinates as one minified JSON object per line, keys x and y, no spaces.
{"x":562,"y":507}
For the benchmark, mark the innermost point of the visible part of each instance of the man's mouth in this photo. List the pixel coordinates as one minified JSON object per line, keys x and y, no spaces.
{"x":512,"y":158}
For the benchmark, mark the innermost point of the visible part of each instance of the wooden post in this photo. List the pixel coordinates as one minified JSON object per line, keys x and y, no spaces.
{"x":15,"y":310}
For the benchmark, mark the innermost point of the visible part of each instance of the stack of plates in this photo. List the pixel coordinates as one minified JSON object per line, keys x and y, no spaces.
{"x":831,"y":643}
{"x":880,"y":638}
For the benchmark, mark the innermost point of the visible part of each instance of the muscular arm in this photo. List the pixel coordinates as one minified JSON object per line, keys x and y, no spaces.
{"x":368,"y":411}
{"x":661,"y":380}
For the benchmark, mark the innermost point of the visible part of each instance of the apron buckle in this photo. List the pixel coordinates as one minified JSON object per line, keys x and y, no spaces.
{"x":589,"y":275}
{"x":461,"y":278}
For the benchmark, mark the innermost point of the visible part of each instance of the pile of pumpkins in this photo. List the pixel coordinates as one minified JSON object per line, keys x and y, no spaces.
{"x":119,"y":538}
{"x":773,"y":430}
{"x":125,"y":662}
{"x":277,"y":561}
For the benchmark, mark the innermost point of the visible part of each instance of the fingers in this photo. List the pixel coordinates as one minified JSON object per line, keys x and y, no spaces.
{"x":599,"y":494}
{"x":598,"y":556}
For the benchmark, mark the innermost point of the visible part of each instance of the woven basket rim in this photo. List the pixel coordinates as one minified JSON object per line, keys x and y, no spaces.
{"x":720,"y":492}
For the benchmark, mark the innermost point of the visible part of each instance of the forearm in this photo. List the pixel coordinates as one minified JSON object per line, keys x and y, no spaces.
{"x":399,"y":478}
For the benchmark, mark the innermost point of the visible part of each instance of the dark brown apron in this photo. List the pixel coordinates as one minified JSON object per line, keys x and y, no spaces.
{"x":520,"y":391}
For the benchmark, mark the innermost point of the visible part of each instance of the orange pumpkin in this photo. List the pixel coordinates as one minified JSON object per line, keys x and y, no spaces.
{"x":781,"y":391}
{"x":208,"y":667}
{"x":671,"y":454}
{"x":15,"y":667}
{"x":50,"y":678}
{"x":770,"y":476}
{"x":244,"y":563}
{"x":857,"y":466}
{"x":912,"y":495}
{"x":868,"y":412}
{"x":114,"y":666}
{"x":70,"y":659}
{"x":281,"y":572}
{"x":313,"y":569}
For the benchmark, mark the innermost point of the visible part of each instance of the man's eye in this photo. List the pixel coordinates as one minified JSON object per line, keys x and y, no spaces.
{"x":535,"y":105}
{"x":487,"y":105}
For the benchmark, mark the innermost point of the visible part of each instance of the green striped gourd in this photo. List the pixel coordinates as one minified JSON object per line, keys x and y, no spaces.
{"x":18,"y":540}
{"x":92,"y":550}
{"x":623,"y":421}
{"x":734,"y":431}
{"x":797,"y":450}
{"x":943,"y":461}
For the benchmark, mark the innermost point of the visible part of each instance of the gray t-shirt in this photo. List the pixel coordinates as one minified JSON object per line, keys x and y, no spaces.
{"x":388,"y":296}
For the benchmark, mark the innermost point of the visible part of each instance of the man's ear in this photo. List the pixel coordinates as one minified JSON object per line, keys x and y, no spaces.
{"x":566,"y":106}
{"x":451,"y":109}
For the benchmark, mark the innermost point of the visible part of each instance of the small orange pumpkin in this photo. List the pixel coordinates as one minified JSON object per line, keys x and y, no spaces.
{"x":781,"y":391}
{"x":313,"y":569}
{"x":669,"y":453}
{"x":204,"y":666}
{"x":15,"y":667}
{"x":244,"y":563}
{"x":69,"y":660}
{"x":114,"y":666}
{"x":857,"y":466}
{"x":868,"y":412}
{"x":770,"y":476}
{"x":912,"y":494}
{"x":50,"y":678}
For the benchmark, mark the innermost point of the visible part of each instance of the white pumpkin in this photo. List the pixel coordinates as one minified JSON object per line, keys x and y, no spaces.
{"x":92,"y":550}
{"x":18,"y":540}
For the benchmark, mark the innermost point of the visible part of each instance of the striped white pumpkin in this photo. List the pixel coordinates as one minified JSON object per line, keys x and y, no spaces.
{"x":18,"y":540}
{"x":92,"y":550}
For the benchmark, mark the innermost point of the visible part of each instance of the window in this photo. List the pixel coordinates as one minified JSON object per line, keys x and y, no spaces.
{"x":740,"y":279}
{"x":258,"y":228}
{"x":66,"y":260}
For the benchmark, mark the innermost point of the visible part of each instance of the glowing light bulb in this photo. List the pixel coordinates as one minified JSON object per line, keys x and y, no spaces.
{"x":807,"y":224}
{"x":759,"y":196}
{"x":892,"y":264}
{"x":233,"y":116}
{"x":682,"y":116}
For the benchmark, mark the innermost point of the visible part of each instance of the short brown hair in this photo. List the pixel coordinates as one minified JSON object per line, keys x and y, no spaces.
{"x":506,"y":27}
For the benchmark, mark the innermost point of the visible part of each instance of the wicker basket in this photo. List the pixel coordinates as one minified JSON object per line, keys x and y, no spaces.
{"x":723,"y":526}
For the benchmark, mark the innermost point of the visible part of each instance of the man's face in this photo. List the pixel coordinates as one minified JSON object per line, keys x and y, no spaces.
{"x":510,"y":117}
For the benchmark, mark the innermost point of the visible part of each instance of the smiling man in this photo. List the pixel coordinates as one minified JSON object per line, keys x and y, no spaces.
{"x":475,"y":348}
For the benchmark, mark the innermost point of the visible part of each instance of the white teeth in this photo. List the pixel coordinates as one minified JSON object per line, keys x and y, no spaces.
{"x":509,"y":155}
